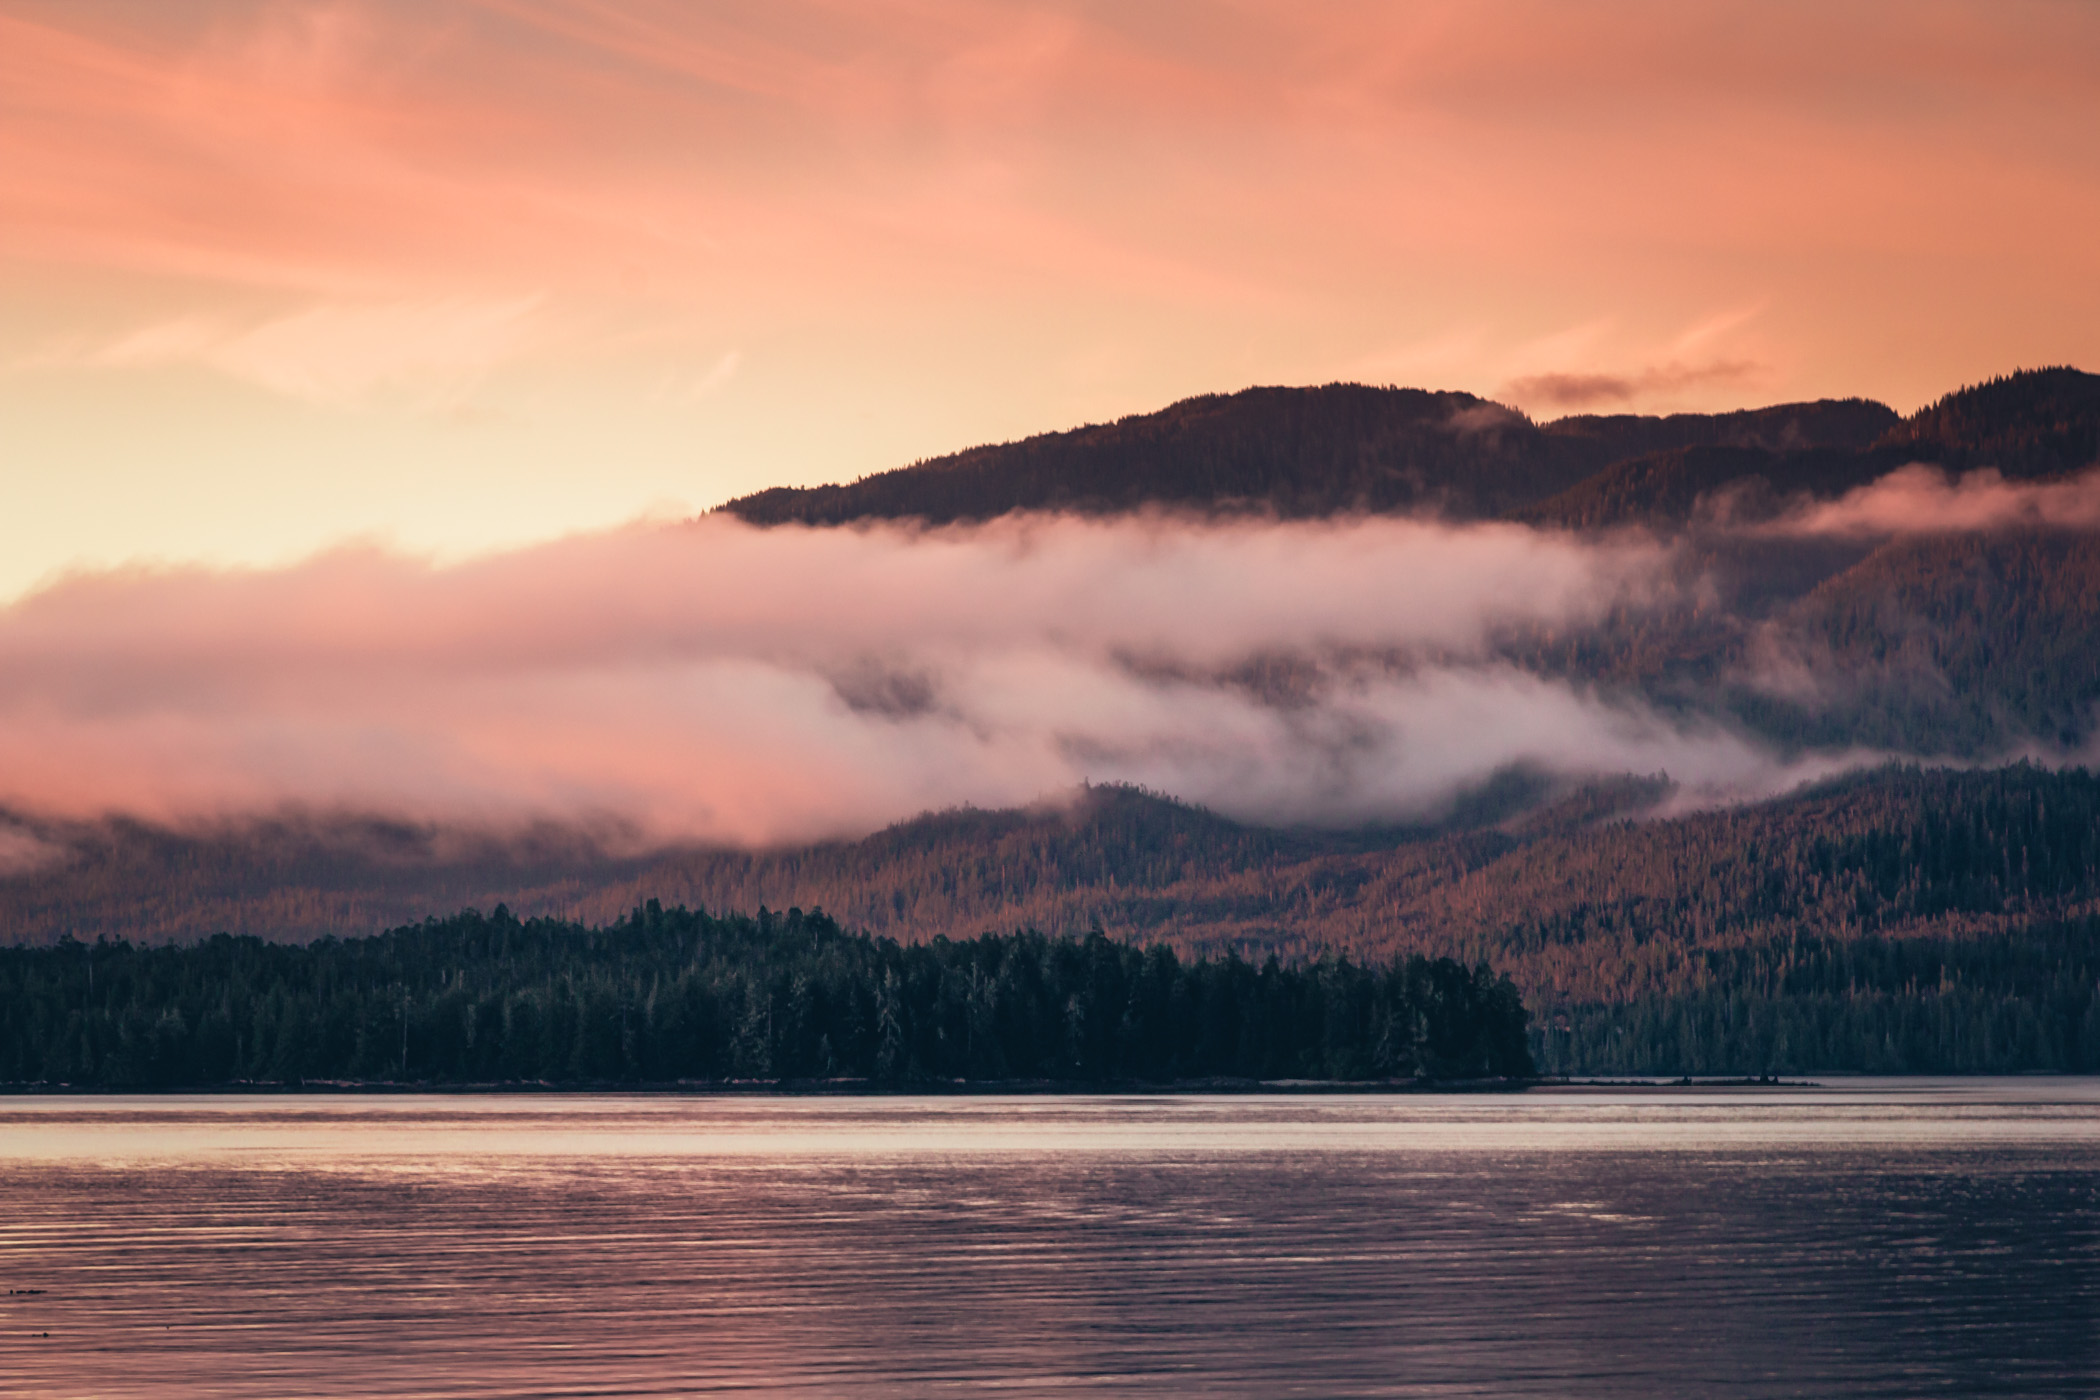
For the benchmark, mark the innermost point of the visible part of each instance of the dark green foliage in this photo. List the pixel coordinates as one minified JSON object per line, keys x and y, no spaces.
{"x":2038,"y":422}
{"x":1971,"y":645}
{"x":1297,"y":453}
{"x":1872,"y":1005}
{"x":1848,"y":424}
{"x":672,"y":995}
{"x":1666,"y":489}
{"x":1345,"y":447}
{"x":1965,"y":643}
{"x":1604,"y":920}
{"x":1290,"y":452}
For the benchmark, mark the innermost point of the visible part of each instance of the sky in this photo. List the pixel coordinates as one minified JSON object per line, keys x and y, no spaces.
{"x":454,"y":277}
{"x":364,"y":365}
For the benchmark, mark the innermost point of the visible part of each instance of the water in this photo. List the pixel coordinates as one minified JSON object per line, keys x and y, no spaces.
{"x":1882,"y":1239}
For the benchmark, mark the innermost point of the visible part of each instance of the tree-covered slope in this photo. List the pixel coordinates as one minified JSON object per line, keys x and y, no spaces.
{"x":1843,"y":904}
{"x":1340,"y":448}
{"x":1965,"y":643}
{"x":1842,"y":424}
{"x":1937,"y":918}
{"x":1975,"y":646}
{"x":1664,"y":490}
{"x":1292,"y":452}
{"x":676,"y":995}
{"x":1301,"y":452}
{"x":2036,"y":423}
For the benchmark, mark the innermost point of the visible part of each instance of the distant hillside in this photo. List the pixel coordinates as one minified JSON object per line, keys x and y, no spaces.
{"x":1844,"y":424}
{"x":2035,"y":423}
{"x":1971,"y":643}
{"x":1876,"y":922}
{"x":945,"y":872}
{"x":1665,"y":489}
{"x":284,"y":877}
{"x":1302,"y":452}
{"x":1299,"y":453}
{"x":1295,"y":452}
{"x":1899,"y":919}
{"x":1972,"y":646}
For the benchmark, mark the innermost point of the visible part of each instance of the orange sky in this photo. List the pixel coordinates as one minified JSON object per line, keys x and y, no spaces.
{"x":466,"y":274}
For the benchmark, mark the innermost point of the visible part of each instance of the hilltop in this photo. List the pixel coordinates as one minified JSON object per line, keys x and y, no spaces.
{"x":1898,"y":918}
{"x":1339,"y":448}
{"x":1937,"y":917}
{"x":1297,"y":453}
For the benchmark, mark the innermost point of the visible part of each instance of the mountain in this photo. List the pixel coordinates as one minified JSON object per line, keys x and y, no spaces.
{"x":1968,"y":646}
{"x":2036,"y":423}
{"x":1902,"y":918}
{"x":1887,"y":920}
{"x":1974,"y":643}
{"x":1845,"y":424}
{"x":1664,"y":490}
{"x":1298,"y":453}
{"x":1292,"y":452}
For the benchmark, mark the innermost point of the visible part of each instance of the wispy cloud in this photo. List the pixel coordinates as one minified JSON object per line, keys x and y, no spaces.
{"x":714,"y":681}
{"x":709,"y":680}
{"x":1711,"y":328}
{"x":1921,"y":499}
{"x":22,"y":851}
{"x":1583,"y":389}
{"x":1332,"y":175}
{"x":431,"y":350}
{"x":686,"y":386}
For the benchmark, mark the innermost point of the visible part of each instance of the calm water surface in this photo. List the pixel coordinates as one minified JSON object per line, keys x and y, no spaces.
{"x":1874,"y":1239}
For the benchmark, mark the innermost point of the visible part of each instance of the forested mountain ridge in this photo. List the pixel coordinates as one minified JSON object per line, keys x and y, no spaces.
{"x":1291,"y":452}
{"x":1338,"y":448}
{"x":1663,"y":490}
{"x":1982,"y":641}
{"x":1298,"y":453}
{"x":2036,"y":423}
{"x":1974,"y":645}
{"x":1971,"y":645}
{"x":1936,"y":917}
{"x":1887,"y":920}
{"x":1839,"y":424}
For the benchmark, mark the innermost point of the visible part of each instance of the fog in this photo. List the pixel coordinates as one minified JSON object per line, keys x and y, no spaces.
{"x":1925,"y":499}
{"x":710,"y":681}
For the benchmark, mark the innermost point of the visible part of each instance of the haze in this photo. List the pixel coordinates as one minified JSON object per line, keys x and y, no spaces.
{"x":719,"y":682}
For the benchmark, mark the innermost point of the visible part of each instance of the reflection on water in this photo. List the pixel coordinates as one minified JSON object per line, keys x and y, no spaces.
{"x":1886,"y":1239}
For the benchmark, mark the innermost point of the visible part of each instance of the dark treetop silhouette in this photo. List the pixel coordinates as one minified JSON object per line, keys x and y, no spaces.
{"x":674,"y":995}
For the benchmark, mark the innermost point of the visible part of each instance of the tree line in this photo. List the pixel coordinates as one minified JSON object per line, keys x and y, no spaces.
{"x":675,"y":995}
{"x":2024,"y":1001}
{"x":1649,"y":946}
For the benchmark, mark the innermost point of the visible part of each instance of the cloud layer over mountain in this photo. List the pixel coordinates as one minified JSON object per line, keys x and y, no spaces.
{"x":718,"y":682}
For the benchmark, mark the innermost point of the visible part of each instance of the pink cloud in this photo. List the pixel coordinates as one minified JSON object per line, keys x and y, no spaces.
{"x":1582,"y":389}
{"x":775,"y":156}
{"x":1921,"y":499}
{"x":332,"y":353}
{"x":720,"y":682}
{"x":712,"y":681}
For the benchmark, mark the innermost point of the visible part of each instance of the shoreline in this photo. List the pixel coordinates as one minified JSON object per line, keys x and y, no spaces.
{"x":1005,"y":1088}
